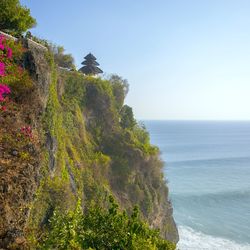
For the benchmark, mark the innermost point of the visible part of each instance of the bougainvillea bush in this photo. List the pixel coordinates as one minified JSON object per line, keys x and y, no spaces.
{"x":4,"y":91}
{"x":16,"y":133}
{"x":14,"y":84}
{"x":12,"y":74}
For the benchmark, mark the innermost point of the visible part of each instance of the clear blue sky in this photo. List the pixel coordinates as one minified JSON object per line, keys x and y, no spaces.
{"x":184,"y":59}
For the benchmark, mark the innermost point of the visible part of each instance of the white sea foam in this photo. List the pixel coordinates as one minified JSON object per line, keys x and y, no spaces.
{"x":193,"y":240}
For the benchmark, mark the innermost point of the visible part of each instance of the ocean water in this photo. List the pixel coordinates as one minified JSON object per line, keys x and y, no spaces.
{"x":207,"y":165}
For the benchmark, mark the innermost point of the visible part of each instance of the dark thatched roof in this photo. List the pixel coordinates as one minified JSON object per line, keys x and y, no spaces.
{"x":90,"y":66}
{"x":90,"y":70}
{"x":89,"y":62}
{"x":90,"y":57}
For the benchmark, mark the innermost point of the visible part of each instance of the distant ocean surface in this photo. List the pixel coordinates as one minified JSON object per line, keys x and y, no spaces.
{"x":207,"y":165}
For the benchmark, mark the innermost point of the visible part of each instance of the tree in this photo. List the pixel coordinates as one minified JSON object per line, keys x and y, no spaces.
{"x":15,"y":18}
{"x":120,"y":89}
{"x":61,"y":59}
{"x":90,"y":66}
{"x":127,"y":117}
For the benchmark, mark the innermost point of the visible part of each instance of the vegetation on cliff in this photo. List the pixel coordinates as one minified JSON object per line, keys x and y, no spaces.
{"x":84,"y":146}
{"x":99,"y":150}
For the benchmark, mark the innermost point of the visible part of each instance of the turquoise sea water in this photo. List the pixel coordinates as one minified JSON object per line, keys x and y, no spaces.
{"x":207,"y":165}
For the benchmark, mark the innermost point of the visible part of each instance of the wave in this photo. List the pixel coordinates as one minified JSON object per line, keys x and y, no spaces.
{"x":194,"y":240}
{"x":199,"y":162}
{"x":220,"y":196}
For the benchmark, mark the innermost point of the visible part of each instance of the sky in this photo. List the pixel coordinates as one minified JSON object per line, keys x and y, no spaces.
{"x":184,"y":60}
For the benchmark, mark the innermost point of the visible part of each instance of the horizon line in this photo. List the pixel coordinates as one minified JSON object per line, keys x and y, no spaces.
{"x":195,"y":120}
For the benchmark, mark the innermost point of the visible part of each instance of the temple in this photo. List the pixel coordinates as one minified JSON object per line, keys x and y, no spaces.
{"x":90,"y":66}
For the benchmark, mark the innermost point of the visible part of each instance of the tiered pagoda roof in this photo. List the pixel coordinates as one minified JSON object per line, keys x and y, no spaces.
{"x":90,"y":66}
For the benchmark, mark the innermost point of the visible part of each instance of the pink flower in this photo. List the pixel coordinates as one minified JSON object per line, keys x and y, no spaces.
{"x":3,"y":108}
{"x":9,"y":53}
{"x":4,"y":90}
{"x":2,"y":68}
{"x":2,"y":38}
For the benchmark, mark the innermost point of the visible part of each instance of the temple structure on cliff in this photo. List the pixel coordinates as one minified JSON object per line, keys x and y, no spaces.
{"x":90,"y":66}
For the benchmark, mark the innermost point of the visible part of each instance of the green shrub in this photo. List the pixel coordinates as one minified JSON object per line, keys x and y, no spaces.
{"x":101,"y":228}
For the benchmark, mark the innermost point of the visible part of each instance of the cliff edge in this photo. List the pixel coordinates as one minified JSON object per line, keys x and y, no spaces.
{"x":85,"y":143}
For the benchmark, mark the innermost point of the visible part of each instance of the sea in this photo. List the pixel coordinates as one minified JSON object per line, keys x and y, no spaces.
{"x":207,"y":167}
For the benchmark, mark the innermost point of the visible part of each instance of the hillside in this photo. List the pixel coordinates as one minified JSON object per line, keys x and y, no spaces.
{"x":66,"y":137}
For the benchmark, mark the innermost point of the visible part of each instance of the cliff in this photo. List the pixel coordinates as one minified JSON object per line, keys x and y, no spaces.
{"x":82,"y":146}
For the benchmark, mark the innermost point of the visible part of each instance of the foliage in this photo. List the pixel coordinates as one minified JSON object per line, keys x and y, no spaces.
{"x":141,"y":133}
{"x":101,"y":228}
{"x":142,"y":140}
{"x":75,"y":89}
{"x":15,"y":18}
{"x":127,"y":117}
{"x":99,"y":100}
{"x":120,"y":89}
{"x":62,"y":59}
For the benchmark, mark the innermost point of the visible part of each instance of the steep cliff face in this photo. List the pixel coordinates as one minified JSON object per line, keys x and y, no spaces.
{"x":19,"y":157}
{"x":80,"y":150}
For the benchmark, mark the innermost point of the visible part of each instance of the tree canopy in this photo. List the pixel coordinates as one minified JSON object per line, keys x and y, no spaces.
{"x":15,"y":18}
{"x":127,"y":117}
{"x":120,"y":89}
{"x":62,"y":59}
